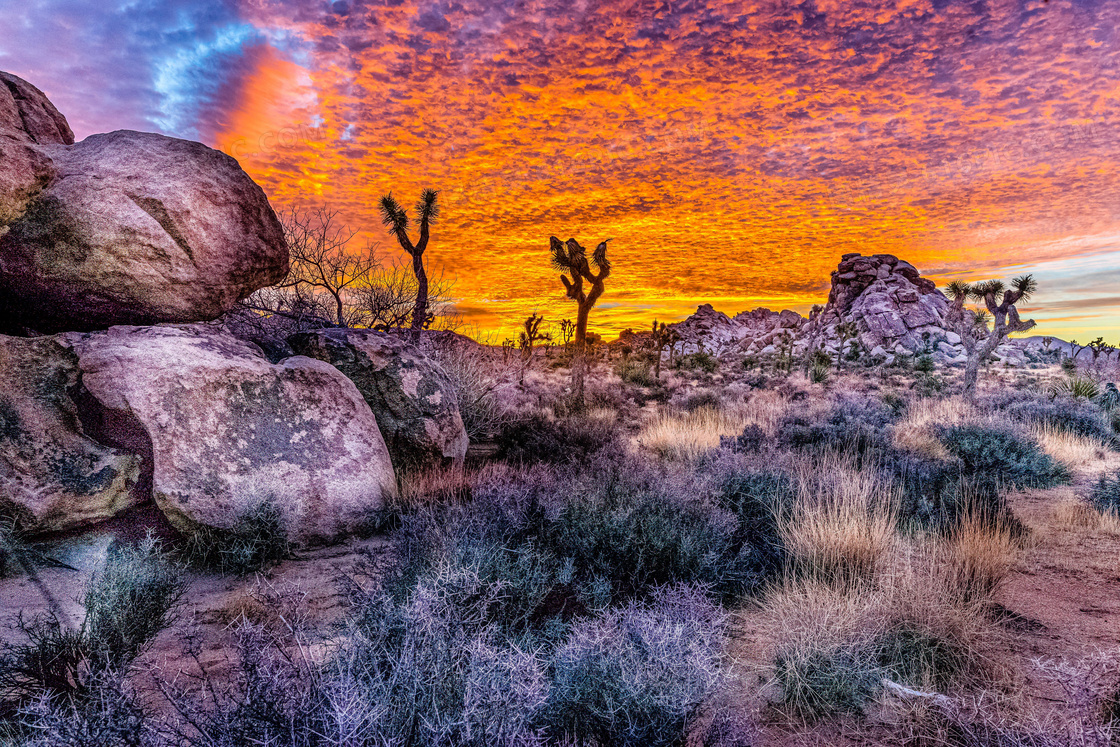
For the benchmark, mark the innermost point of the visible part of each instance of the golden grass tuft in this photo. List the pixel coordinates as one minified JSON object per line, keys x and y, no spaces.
{"x":841,"y":524}
{"x":976,"y":557}
{"x":687,"y":435}
{"x":916,"y":432}
{"x":1073,"y":450}
{"x":1076,"y":514}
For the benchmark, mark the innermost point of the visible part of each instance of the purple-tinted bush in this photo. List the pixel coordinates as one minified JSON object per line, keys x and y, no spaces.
{"x":854,"y":425}
{"x":569,"y":440}
{"x":636,"y":676}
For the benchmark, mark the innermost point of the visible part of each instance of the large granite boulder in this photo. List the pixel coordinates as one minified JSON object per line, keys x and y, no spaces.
{"x":138,"y":228}
{"x":227,"y":430}
{"x":54,"y":474}
{"x":415,"y":403}
{"x":27,"y":119}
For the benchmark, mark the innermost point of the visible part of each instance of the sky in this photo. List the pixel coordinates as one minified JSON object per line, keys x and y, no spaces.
{"x":732,"y":151}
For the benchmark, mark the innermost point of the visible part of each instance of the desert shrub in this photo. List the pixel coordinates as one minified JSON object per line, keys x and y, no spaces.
{"x":819,"y":373}
{"x":924,"y":364}
{"x":992,"y":454}
{"x":637,"y":676}
{"x":127,"y":604}
{"x":850,"y":425}
{"x":537,"y":439}
{"x":748,"y":442}
{"x":109,"y":714}
{"x":473,"y":375}
{"x":1075,"y":416}
{"x":434,"y":670}
{"x":635,"y":371}
{"x":828,"y":680}
{"x":698,"y":361}
{"x":11,"y":546}
{"x":257,"y":540}
{"x":700,"y":399}
{"x":756,"y":499}
{"x":1106,"y":494}
{"x":629,"y":528}
{"x":1077,"y":387}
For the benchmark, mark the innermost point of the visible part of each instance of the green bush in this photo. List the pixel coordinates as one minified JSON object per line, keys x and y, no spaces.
{"x":1106,"y":494}
{"x":258,"y":540}
{"x":919,"y":659}
{"x":1078,"y":387}
{"x":635,"y":371}
{"x":1003,"y":457}
{"x":702,"y":398}
{"x":828,"y":681}
{"x":127,"y":604}
{"x":698,"y":361}
{"x":924,"y":364}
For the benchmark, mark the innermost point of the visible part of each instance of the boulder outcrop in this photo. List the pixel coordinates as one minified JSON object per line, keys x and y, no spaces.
{"x":415,"y":403}
{"x":27,"y":119}
{"x":54,"y":474}
{"x":137,"y":228}
{"x":227,"y":431}
{"x":894,"y":309}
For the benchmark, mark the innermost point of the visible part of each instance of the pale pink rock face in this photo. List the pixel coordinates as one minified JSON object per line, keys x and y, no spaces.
{"x":228,"y":430}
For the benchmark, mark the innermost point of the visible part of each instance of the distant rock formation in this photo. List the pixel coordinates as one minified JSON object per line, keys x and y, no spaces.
{"x":895,"y":311}
{"x":124,"y":227}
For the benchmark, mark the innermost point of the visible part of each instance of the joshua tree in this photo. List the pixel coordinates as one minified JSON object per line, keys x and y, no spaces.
{"x":569,"y":257}
{"x":979,"y":341}
{"x":395,"y":217}
{"x":567,"y":329}
{"x":846,"y":331}
{"x":662,"y":337}
{"x":1074,"y":350}
{"x":530,"y":334}
{"x":1098,"y":346}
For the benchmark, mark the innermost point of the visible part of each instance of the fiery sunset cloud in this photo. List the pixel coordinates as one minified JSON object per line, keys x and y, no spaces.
{"x":733,"y":150}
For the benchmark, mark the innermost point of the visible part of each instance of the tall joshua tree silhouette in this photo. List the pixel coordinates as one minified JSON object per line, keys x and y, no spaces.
{"x":396,"y":218}
{"x":584,"y":287}
{"x":978,"y":339}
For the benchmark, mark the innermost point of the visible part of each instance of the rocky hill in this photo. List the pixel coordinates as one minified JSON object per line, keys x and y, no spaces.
{"x":891,"y":308}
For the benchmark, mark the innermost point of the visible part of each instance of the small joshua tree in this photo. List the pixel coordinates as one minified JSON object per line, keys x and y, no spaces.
{"x":530,"y":335}
{"x":584,"y":287}
{"x":978,"y":339}
{"x":395,"y":217}
{"x":1098,"y":346}
{"x":662,"y":337}
{"x":567,"y":329}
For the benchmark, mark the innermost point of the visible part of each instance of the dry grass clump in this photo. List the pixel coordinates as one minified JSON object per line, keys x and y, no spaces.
{"x":976,"y":556}
{"x":841,"y":524}
{"x":1076,"y":514}
{"x":917,"y":431}
{"x":1071,"y":449}
{"x":838,"y":649}
{"x":440,"y":485}
{"x":687,"y":435}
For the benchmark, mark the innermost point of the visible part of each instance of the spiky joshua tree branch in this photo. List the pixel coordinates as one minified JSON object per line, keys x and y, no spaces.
{"x":583,"y":285}
{"x":980,"y":340}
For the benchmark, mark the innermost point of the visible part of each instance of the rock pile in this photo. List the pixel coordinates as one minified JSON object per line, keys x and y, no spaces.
{"x":894,"y":310}
{"x":126,"y":229}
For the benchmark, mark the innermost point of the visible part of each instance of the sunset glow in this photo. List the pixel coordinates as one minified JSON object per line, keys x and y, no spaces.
{"x":733,"y":150}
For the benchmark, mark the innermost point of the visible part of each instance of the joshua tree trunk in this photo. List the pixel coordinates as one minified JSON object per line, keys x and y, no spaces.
{"x":579,"y":360}
{"x":420,"y":311}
